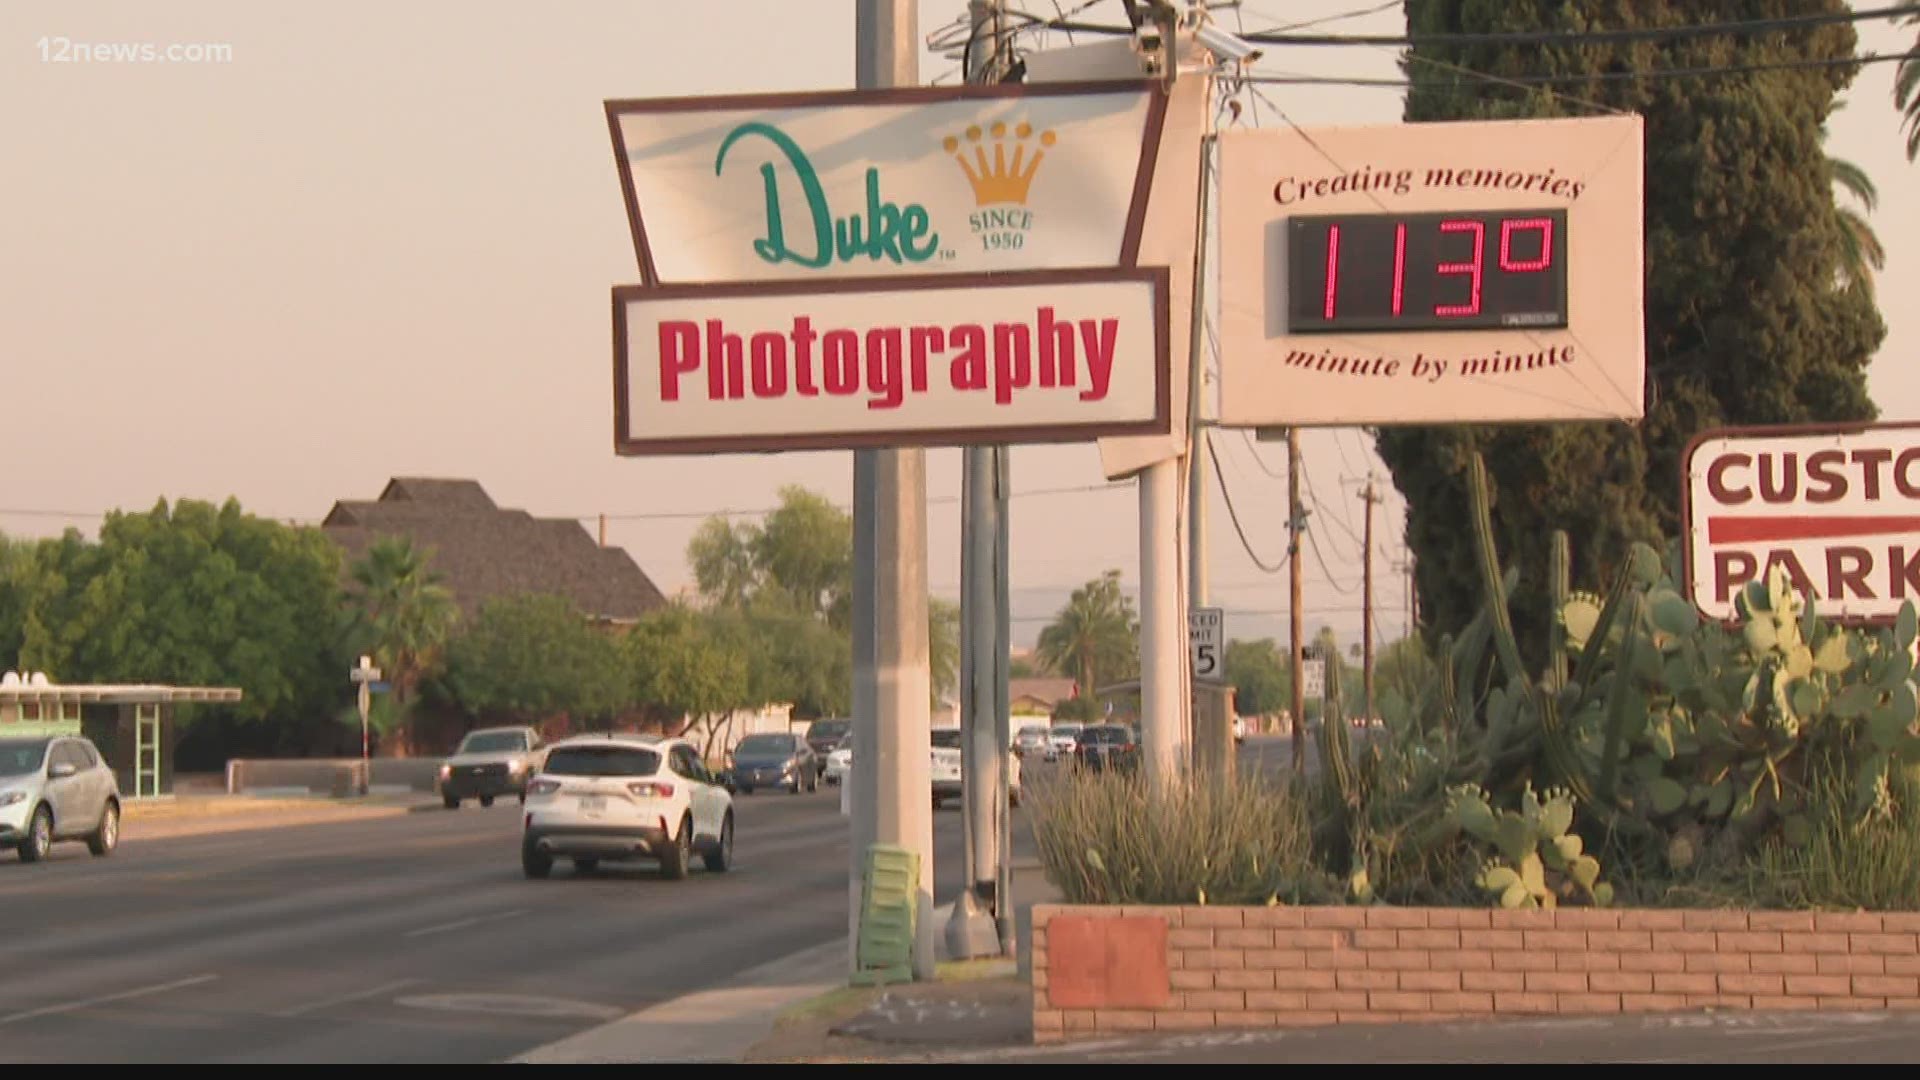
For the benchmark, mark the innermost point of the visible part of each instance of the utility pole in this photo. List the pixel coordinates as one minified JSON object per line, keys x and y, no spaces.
{"x":1366,"y":603}
{"x":893,"y":795}
{"x":1295,"y":619}
{"x":973,"y":929}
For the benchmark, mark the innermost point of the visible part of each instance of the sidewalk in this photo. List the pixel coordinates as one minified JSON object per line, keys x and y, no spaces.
{"x":199,"y":815}
{"x":794,"y":1009}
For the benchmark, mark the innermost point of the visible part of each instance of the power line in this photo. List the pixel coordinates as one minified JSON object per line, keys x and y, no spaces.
{"x":1359,"y":13}
{"x":672,"y":515}
{"x":1234,"y":515}
{"x":1597,"y":76}
{"x":1586,"y":37}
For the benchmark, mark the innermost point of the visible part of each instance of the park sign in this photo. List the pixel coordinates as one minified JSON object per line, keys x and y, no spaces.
{"x":904,"y":181}
{"x":1433,"y":273}
{"x":1836,"y":507}
{"x":935,"y":360}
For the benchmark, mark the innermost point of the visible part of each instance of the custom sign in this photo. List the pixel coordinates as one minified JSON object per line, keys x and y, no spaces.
{"x":1207,"y":643}
{"x":1313,"y":678}
{"x":1837,"y":507}
{"x":1485,"y":271}
{"x":1041,"y":356}
{"x":916,"y":181}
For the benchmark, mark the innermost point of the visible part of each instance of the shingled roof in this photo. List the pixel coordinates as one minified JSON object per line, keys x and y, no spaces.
{"x":481,"y":551}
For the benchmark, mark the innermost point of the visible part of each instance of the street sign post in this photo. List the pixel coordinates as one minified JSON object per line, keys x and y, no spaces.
{"x":1207,"y":643}
{"x":364,"y":676}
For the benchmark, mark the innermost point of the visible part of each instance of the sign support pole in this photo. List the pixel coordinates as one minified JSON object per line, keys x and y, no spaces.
{"x":893,"y":679}
{"x":1296,"y":623}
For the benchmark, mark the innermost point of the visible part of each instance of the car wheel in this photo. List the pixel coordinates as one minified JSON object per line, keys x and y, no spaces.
{"x":39,"y":836}
{"x":673,"y":864}
{"x":720,"y":859}
{"x":794,"y":788}
{"x":585,"y":866}
{"x":452,"y":803}
{"x":486,"y":800}
{"x":534,"y":862}
{"x":107,"y":836}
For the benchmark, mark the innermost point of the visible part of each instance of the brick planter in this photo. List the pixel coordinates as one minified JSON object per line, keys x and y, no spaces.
{"x":1185,"y":968}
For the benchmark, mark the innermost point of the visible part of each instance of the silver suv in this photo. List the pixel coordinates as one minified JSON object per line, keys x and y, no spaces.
{"x":54,"y":789}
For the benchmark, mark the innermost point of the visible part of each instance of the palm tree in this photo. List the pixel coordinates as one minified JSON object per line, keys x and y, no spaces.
{"x":1861,"y":253}
{"x":1094,"y":636}
{"x":404,"y":610}
{"x":1906,"y":94}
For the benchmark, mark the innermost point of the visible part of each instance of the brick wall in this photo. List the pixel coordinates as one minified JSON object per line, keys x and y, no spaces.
{"x":1111,"y":969}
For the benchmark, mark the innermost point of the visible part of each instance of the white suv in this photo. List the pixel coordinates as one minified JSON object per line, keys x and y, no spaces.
{"x":620,"y":797}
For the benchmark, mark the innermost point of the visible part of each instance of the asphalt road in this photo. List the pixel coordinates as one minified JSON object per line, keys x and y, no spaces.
{"x":407,"y":939}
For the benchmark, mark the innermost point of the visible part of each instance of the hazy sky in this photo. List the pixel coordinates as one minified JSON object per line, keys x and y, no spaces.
{"x":379,"y":239}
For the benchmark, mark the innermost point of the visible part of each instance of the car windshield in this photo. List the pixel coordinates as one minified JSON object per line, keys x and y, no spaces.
{"x":1066,"y":729}
{"x":602,"y":761}
{"x":828,"y":729}
{"x":765,"y":745}
{"x":486,"y":742}
{"x":1105,"y":735}
{"x":21,"y":757}
{"x":947,"y":738}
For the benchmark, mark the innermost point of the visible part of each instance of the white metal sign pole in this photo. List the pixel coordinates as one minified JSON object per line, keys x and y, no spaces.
{"x":891,"y":491}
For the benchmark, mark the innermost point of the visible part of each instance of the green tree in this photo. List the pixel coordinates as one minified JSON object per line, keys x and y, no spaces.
{"x":943,"y":646}
{"x":405,"y":614}
{"x":1906,"y":92}
{"x":1095,"y":637}
{"x":1261,"y":683}
{"x":1747,"y":319}
{"x":530,"y":657}
{"x":695,"y":666}
{"x":1861,"y":253}
{"x":191,"y":593}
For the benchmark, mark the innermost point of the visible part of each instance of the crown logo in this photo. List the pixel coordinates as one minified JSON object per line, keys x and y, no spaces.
{"x":998,"y":180}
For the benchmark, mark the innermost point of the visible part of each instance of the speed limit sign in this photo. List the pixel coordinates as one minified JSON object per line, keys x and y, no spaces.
{"x":1207,"y":642}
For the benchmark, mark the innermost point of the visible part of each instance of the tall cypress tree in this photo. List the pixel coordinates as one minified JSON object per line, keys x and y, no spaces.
{"x":1748,"y":320}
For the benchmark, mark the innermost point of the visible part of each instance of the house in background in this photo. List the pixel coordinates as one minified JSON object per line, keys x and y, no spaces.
{"x":481,"y":551}
{"x":1039,"y":696}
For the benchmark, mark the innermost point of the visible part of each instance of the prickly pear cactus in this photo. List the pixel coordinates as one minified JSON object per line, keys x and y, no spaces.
{"x":1538,"y":861}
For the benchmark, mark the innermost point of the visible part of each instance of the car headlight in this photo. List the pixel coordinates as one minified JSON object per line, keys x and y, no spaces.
{"x":515,"y":764}
{"x":11,"y":797}
{"x":446,"y":771}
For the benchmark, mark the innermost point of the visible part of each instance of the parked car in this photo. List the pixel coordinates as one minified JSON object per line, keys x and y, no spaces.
{"x":624,"y":797}
{"x":775,"y":759}
{"x":1031,"y":739}
{"x":1062,"y":739}
{"x":839,"y":760}
{"x":1239,"y":729}
{"x":1108,"y":746}
{"x":824,"y":735}
{"x":488,"y":763}
{"x":56,"y":789}
{"x":948,"y":770}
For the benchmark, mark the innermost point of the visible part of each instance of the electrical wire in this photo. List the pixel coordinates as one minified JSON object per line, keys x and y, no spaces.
{"x":1234,"y":515}
{"x":1530,"y":81}
{"x":1588,"y":37}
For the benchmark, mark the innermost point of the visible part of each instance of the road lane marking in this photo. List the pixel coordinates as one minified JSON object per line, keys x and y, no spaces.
{"x":75,"y":1006}
{"x":546,"y":1008}
{"x":346,"y":999}
{"x":462,"y":924}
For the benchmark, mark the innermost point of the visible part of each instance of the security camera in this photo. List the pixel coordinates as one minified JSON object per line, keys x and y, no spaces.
{"x":1225,"y":45}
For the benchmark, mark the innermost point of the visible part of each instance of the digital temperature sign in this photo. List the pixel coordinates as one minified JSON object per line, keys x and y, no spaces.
{"x":1433,"y":271}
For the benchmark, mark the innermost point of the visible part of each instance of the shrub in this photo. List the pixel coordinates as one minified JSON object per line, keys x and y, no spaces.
{"x":1111,"y":837}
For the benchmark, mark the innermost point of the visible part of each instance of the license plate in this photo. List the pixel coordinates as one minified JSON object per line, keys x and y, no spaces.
{"x":593,"y":804}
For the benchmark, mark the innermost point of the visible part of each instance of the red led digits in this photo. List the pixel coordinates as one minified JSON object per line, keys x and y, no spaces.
{"x":1513,"y":225}
{"x":1479,"y":231}
{"x":1399,"y":265}
{"x":1333,"y":266}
